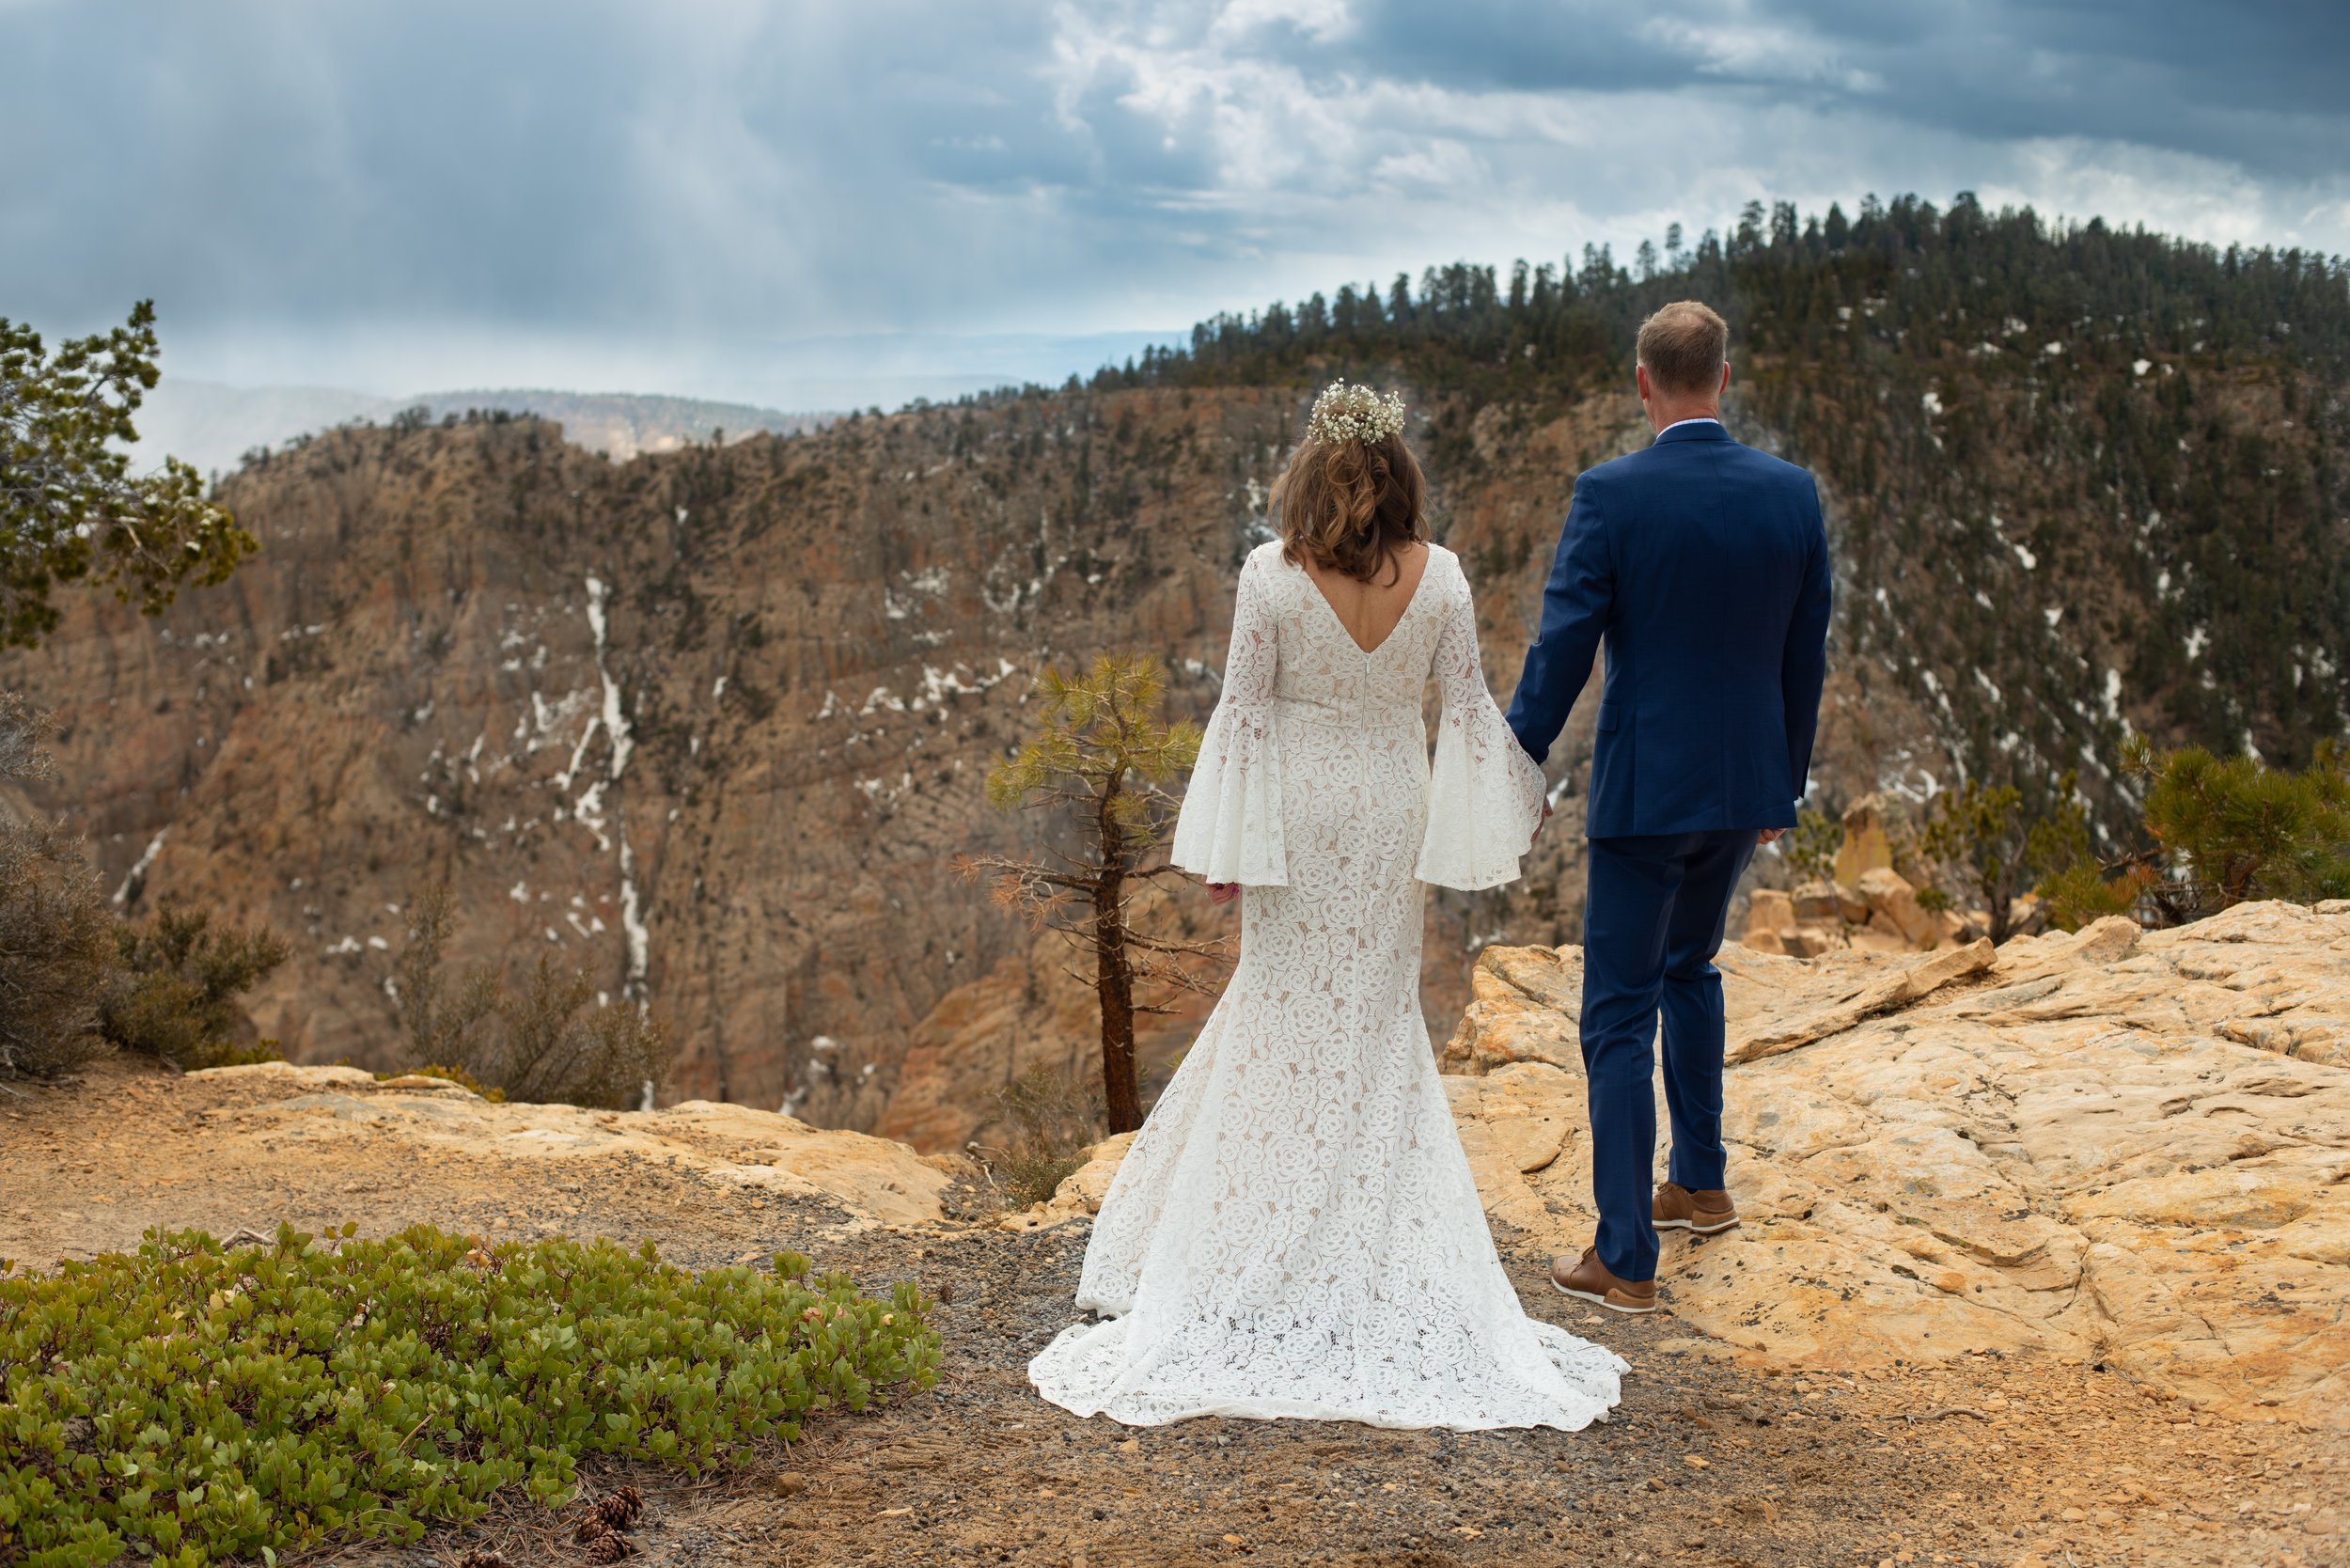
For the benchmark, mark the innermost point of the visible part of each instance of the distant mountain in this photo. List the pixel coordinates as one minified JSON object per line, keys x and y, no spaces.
{"x":216,"y":427}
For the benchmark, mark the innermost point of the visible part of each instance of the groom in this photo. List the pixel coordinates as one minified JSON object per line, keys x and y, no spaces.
{"x":1702,"y":565}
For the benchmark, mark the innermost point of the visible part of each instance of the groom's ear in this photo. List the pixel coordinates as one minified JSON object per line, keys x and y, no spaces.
{"x":1725,"y":385}
{"x":1639,"y":378}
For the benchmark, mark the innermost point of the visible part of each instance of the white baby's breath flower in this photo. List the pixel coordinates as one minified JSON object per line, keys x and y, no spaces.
{"x":1345,"y":412}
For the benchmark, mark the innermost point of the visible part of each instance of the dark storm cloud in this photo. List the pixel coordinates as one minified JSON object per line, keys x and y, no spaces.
{"x":335,"y":187}
{"x":2260,"y":83}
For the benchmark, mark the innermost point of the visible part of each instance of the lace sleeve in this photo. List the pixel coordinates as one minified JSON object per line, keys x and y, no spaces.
{"x":1485,"y":795}
{"x":1230,"y":825}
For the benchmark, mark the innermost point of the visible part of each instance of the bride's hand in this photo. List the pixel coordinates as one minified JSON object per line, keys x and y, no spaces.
{"x":1222,"y":892}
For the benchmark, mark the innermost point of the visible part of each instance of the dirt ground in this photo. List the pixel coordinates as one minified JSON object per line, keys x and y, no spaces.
{"x":1708,"y":1460}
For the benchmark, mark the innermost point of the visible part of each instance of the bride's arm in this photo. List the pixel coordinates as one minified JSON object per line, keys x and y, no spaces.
{"x":1229,"y":831}
{"x":1485,"y":795}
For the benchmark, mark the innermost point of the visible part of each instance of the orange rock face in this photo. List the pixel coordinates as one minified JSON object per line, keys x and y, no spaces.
{"x":712,"y":724}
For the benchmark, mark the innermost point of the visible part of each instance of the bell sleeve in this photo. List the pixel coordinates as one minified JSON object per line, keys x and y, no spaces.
{"x":1230,"y":829}
{"x":1485,"y":793}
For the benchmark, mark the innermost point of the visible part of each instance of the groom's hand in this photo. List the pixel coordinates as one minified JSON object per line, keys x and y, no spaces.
{"x":1770,"y":836}
{"x":1222,"y":892}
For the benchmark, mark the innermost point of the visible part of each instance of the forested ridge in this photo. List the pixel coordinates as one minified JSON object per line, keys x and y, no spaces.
{"x":2080,"y":478}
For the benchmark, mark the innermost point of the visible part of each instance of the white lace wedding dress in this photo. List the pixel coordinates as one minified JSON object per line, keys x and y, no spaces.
{"x":1295,"y":1231}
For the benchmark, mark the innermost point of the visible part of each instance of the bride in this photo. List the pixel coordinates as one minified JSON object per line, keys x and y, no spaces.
{"x":1295,"y":1231}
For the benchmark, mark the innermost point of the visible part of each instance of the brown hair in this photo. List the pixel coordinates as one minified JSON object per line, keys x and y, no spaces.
{"x":1683,"y":347}
{"x":1351,"y":505}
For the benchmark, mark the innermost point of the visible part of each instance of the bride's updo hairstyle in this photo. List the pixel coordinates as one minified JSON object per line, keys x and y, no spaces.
{"x":1353,"y":494}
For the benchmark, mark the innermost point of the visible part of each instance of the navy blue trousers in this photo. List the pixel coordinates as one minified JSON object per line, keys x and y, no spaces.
{"x":1653,"y":920}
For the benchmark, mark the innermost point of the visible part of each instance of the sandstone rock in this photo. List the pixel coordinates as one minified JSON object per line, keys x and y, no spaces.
{"x":1866,"y":845}
{"x":1764,"y":941}
{"x":1797,"y":1019}
{"x":1817,"y":903}
{"x":1890,"y":898}
{"x":1524,"y":1004}
{"x":318,"y":1108}
{"x":1516,"y":1112}
{"x":1768,"y":912}
{"x":2080,"y":1145}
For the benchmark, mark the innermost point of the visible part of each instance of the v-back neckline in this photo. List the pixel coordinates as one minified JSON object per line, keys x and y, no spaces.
{"x":1426,"y":564}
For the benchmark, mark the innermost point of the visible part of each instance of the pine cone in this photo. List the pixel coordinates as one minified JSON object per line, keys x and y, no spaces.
{"x":609,"y":1547}
{"x":620,"y":1509}
{"x":591,"y":1527}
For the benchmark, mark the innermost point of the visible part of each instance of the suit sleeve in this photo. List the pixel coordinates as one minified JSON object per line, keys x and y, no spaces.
{"x":1578,"y":603}
{"x":1803,"y":667}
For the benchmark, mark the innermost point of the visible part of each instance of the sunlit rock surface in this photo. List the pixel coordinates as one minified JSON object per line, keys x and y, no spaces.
{"x":2123,"y":1146}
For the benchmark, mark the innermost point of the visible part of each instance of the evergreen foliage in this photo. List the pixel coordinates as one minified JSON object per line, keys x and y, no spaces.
{"x":2081,"y":478}
{"x":1102,"y":755}
{"x":555,"y":1039}
{"x":193,"y":1404}
{"x":2231,"y":829}
{"x":1983,"y":850}
{"x":177,"y":977}
{"x":69,"y":506}
{"x":56,"y":936}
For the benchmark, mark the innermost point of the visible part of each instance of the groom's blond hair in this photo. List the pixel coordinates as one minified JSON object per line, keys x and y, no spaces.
{"x":1683,"y":348}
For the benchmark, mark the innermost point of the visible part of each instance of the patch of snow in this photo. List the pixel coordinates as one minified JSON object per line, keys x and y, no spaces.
{"x":633,"y":922}
{"x":137,"y":873}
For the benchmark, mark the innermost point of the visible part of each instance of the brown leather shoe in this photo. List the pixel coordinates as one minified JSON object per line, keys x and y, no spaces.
{"x":1589,"y":1280}
{"x":1708,"y":1213}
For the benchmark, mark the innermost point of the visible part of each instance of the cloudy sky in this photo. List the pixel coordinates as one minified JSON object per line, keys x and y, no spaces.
{"x":818,"y":204}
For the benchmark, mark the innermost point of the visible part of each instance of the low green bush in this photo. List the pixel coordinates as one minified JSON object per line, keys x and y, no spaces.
{"x":193,"y":1403}
{"x":173,"y":990}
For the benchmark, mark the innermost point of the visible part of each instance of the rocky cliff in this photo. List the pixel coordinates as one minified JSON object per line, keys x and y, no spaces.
{"x":712,"y":722}
{"x":712,"y":726}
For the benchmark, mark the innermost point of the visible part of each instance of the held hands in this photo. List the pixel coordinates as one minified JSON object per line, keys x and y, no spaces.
{"x":1222,"y":892}
{"x":1770,"y":835}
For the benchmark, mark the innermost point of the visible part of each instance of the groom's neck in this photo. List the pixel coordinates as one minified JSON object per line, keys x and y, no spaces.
{"x":1662,"y":412}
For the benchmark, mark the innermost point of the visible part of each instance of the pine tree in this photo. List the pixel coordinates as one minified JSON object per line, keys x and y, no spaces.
{"x":1101,"y":758}
{"x":70,"y":507}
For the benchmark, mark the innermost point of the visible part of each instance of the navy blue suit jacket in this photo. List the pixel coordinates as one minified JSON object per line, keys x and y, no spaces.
{"x":1704,"y":565}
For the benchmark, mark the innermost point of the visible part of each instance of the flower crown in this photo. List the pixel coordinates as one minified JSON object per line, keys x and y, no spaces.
{"x":1345,"y":412}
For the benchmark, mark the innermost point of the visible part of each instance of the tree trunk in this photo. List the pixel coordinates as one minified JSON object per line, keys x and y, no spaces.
{"x":1114,"y":978}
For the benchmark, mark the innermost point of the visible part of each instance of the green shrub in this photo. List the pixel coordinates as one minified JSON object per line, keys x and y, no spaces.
{"x":1053,"y":1122}
{"x":1810,"y":849}
{"x":175,"y":984}
{"x":194,"y":1403}
{"x":2233,"y":829}
{"x":1979,"y":847}
{"x":54,"y":938}
{"x":555,"y":1039}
